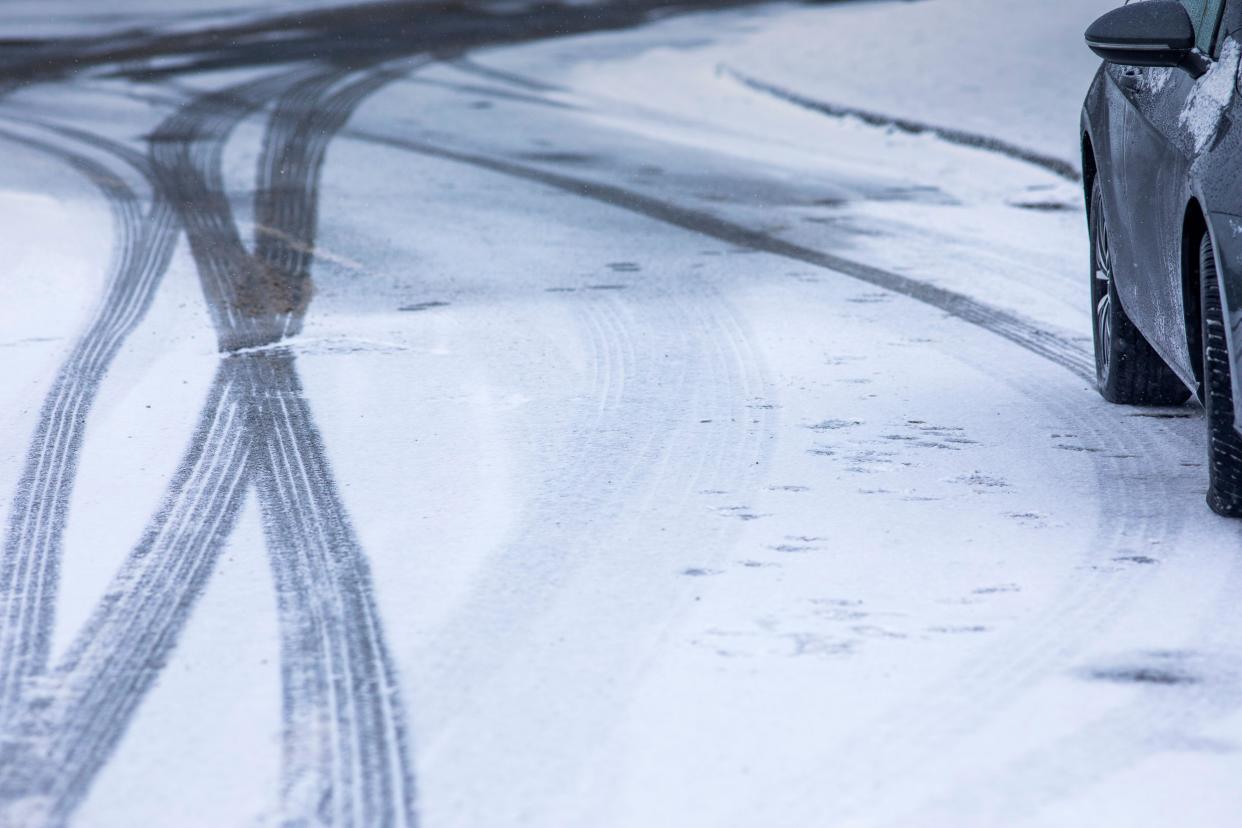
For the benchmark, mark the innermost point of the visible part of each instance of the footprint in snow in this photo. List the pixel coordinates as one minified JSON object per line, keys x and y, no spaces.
{"x":1142,"y":560}
{"x":996,"y":590}
{"x":423,"y":306}
{"x":1160,"y":668}
{"x":982,"y":482}
{"x":698,"y":572}
{"x":964,"y":629}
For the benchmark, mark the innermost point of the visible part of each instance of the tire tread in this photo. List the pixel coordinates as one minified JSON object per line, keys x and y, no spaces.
{"x":1224,"y":443}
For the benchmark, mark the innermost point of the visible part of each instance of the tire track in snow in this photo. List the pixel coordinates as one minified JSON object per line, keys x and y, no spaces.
{"x":69,"y":721}
{"x":1028,"y":334}
{"x":345,"y":760}
{"x":576,"y":596}
{"x":1170,"y":712}
{"x":1138,"y":507}
{"x":1066,"y":624}
{"x":1059,"y":167}
{"x":186,"y":153}
{"x":653,"y":353}
{"x":29,"y":567}
{"x":1061,"y":630}
{"x":344,"y":737}
{"x":293,"y":301}
{"x":956,"y":706}
{"x":255,"y":427}
{"x":304,"y":122}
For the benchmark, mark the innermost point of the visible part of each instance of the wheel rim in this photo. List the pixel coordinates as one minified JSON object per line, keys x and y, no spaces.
{"x":1101,"y":295}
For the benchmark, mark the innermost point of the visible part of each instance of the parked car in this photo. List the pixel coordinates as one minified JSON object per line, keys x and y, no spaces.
{"x":1162,"y":169}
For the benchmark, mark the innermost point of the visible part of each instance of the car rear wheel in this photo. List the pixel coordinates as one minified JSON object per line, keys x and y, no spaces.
{"x":1224,"y":444}
{"x":1127,"y":369}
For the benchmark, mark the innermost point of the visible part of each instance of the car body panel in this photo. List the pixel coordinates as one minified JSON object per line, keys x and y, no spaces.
{"x":1155,"y":171}
{"x":1165,"y":143}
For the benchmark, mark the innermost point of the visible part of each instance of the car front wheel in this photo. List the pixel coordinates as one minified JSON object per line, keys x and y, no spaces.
{"x":1127,"y":369}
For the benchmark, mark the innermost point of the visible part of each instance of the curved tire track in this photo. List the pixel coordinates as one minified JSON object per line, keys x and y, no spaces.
{"x":1057,"y":166}
{"x":1085,"y":608}
{"x":570,"y":603}
{"x":346,"y":762}
{"x":33,"y":542}
{"x":1055,"y":347}
{"x":345,"y":759}
{"x":344,"y":728}
{"x":70,"y":720}
{"x":280,"y":304}
{"x":186,"y":154}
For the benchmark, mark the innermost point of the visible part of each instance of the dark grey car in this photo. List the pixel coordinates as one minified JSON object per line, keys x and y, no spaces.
{"x":1162,"y":164}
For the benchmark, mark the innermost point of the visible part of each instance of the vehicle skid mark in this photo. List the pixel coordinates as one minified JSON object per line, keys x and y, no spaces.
{"x":33,"y":543}
{"x":1084,"y":606}
{"x":68,"y":721}
{"x":1056,"y":166}
{"x":345,"y":761}
{"x":1055,"y":347}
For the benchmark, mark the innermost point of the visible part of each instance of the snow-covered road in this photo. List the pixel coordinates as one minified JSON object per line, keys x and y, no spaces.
{"x":493,"y":428}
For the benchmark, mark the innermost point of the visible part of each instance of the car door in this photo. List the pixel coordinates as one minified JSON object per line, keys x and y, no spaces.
{"x":1160,"y":146}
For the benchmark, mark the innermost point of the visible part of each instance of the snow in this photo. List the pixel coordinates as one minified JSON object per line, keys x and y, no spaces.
{"x":968,"y":231}
{"x":1210,"y":96}
{"x":1010,"y":69}
{"x":668,"y":523}
{"x":49,"y":290}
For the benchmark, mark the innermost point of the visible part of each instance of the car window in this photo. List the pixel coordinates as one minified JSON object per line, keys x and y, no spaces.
{"x":1206,"y":17}
{"x":1211,"y":21}
{"x":1195,"y":7}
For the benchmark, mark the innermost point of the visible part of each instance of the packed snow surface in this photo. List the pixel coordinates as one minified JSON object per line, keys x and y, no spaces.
{"x":610,"y":443}
{"x":1012,"y":70}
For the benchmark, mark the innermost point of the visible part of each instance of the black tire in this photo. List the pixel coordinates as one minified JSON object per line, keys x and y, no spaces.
{"x":1224,"y":444}
{"x":1127,"y":369}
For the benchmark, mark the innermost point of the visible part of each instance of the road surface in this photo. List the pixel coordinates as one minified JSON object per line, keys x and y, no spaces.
{"x":423,"y":414}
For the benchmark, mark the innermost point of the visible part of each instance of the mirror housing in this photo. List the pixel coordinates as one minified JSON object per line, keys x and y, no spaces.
{"x":1152,"y":33}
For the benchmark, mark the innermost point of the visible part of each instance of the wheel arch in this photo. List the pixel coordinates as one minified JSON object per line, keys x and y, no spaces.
{"x":1089,"y":167}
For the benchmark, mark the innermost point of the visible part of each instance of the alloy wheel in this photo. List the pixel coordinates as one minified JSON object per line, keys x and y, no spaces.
{"x":1101,"y":293}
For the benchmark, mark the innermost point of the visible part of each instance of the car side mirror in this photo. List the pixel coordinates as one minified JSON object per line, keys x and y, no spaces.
{"x":1152,"y":33}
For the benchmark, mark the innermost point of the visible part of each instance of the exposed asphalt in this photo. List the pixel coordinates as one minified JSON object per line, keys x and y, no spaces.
{"x":348,"y":35}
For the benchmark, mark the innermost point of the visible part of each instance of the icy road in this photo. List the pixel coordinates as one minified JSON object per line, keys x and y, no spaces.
{"x":594,"y":415}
